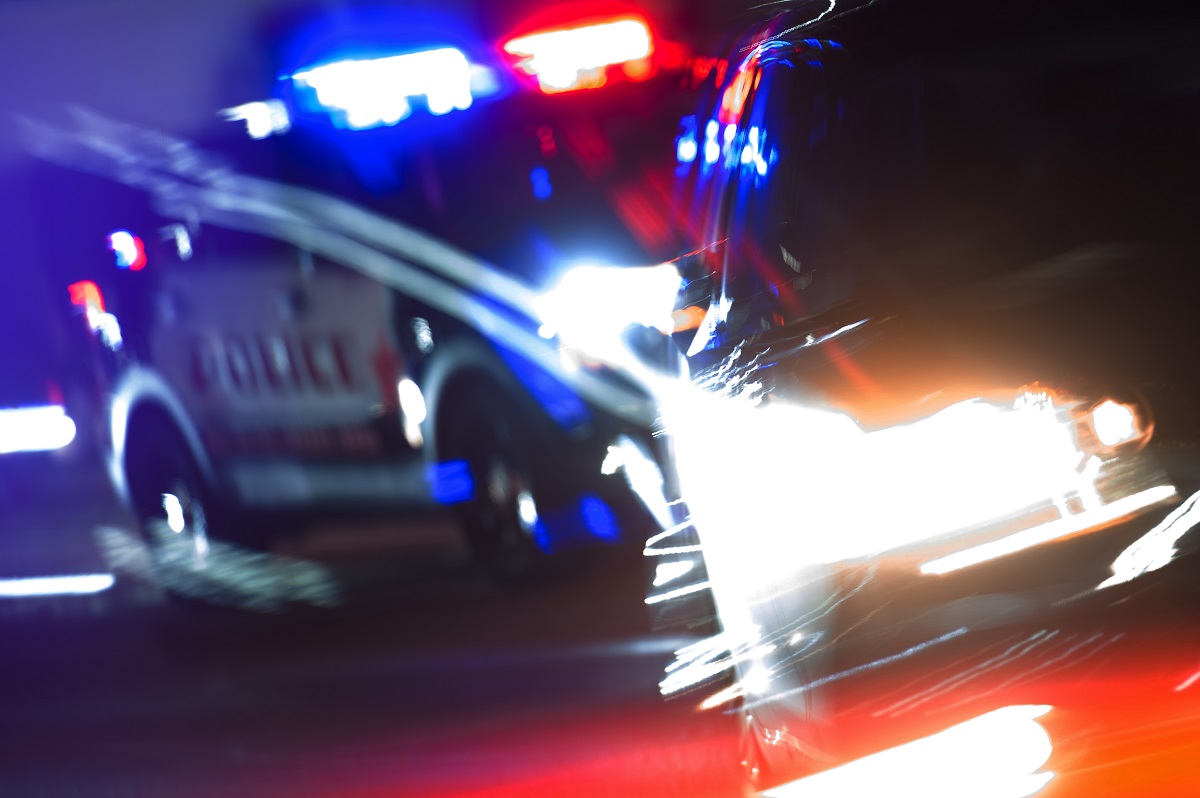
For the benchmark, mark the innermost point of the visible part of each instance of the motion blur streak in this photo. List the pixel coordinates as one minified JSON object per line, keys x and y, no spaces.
{"x":1188,"y":682}
{"x":832,"y":5}
{"x":683,"y":591}
{"x":567,"y":59}
{"x":908,"y":652}
{"x":262,"y":119}
{"x":226,"y":575}
{"x":670,"y":571}
{"x":1003,"y":660}
{"x":1071,"y":657}
{"x":652,"y":551}
{"x":82,"y":584}
{"x":35,"y":429}
{"x":1157,"y":547}
{"x":996,"y":755}
{"x":1053,"y":531}
{"x":706,"y":659}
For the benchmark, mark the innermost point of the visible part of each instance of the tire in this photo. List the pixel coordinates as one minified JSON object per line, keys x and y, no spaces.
{"x":176,"y":514}
{"x":500,"y":520}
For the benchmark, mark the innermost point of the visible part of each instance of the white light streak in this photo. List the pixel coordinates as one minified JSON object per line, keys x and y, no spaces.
{"x":1011,"y":654}
{"x":107,"y":326}
{"x":651,"y":543}
{"x":658,"y":598}
{"x":35,"y":429}
{"x":996,"y":755}
{"x":77,"y":585}
{"x":1068,"y":658}
{"x":1157,"y":547}
{"x":263,"y":119}
{"x":1188,"y":682}
{"x":1052,"y":530}
{"x":670,"y":571}
{"x":645,"y":479}
{"x":708,"y":658}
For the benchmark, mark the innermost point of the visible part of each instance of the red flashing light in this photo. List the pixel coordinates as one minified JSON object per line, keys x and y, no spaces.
{"x":129,"y":249}
{"x":578,"y":57}
{"x":86,"y":294}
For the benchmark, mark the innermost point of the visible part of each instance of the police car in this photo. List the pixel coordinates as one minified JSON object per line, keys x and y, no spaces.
{"x":361,"y":293}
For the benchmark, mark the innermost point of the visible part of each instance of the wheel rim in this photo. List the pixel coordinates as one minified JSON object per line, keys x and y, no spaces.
{"x":502,"y":519}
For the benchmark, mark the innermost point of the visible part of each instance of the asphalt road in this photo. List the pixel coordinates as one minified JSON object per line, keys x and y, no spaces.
{"x":416,"y":675}
{"x":387,"y":664}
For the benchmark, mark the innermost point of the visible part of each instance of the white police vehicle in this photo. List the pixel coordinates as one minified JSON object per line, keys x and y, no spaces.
{"x":269,"y":349}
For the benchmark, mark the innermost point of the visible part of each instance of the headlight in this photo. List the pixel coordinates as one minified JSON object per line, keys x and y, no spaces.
{"x":1114,"y":423}
{"x":592,"y":306}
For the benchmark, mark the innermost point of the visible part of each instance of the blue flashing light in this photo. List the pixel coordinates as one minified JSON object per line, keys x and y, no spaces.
{"x":835,"y":45}
{"x":686,"y":145}
{"x":362,"y":93}
{"x":686,"y":149}
{"x":813,"y":43}
{"x":540,"y":178}
{"x":541,"y":537}
{"x":712,"y":151}
{"x":576,"y":525}
{"x":450,"y":482}
{"x":599,"y":519}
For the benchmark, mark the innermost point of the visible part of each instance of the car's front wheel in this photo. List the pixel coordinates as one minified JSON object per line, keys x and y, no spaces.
{"x":500,"y":519}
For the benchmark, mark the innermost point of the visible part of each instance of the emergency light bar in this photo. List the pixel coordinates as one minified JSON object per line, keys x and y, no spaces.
{"x":575,"y":58}
{"x":366,"y":93}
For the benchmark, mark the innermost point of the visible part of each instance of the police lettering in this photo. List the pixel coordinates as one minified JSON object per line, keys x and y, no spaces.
{"x":273,"y":363}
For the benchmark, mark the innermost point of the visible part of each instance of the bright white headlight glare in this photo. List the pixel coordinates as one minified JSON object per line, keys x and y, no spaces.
{"x":592,"y":305}
{"x":1114,"y":423}
{"x":35,"y":429}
